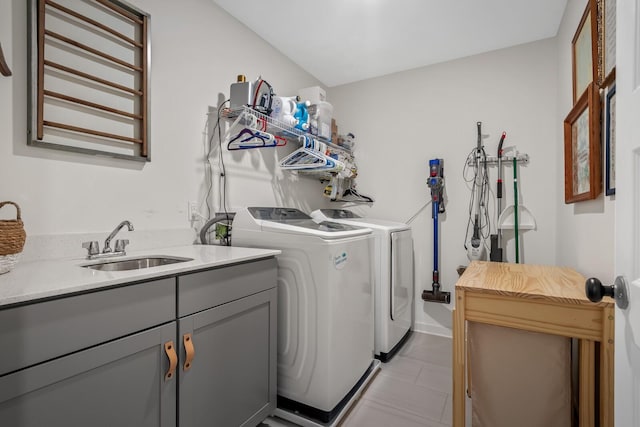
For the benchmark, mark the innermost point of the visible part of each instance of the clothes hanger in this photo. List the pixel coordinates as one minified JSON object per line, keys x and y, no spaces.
{"x":354,"y":196}
{"x":304,"y":158}
{"x":250,"y":138}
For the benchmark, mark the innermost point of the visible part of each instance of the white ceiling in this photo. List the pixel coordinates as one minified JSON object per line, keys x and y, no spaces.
{"x":342,"y":41}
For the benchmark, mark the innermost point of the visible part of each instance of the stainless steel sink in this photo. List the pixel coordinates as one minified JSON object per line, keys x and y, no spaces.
{"x":135,"y":263}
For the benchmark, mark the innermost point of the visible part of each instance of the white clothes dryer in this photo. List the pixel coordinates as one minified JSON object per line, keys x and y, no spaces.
{"x":325,"y":308}
{"x":394,"y":278}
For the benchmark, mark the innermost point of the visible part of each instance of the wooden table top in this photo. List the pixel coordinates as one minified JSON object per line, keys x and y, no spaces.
{"x":541,"y":282}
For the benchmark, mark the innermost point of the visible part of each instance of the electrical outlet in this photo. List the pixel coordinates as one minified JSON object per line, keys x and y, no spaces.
{"x":192,"y":211}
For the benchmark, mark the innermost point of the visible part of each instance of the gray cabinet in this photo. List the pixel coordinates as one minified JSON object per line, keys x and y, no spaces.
{"x":232,"y":377}
{"x":120,"y":383}
{"x":229,"y":348}
{"x":196,"y":350}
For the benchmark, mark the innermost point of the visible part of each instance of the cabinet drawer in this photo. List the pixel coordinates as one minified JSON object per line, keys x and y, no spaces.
{"x":37,"y":332}
{"x":206,"y":289}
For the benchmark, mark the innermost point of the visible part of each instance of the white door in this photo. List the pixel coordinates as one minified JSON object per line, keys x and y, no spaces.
{"x":627,"y":225}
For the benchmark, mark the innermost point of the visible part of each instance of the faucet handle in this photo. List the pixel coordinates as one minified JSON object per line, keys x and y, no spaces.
{"x":92,"y":247}
{"x":121,"y":244}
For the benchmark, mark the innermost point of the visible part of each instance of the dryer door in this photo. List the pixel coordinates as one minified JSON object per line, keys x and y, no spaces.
{"x":401,"y":277}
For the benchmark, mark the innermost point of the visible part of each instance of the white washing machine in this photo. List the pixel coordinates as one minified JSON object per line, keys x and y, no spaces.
{"x":325,"y":309}
{"x":394,"y":278}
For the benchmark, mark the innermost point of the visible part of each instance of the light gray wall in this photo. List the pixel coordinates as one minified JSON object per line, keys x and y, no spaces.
{"x":585,"y":239}
{"x":403,"y":120}
{"x":197,"y":51}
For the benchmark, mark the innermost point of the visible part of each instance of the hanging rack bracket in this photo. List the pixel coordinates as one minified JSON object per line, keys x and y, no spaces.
{"x":522,"y":159}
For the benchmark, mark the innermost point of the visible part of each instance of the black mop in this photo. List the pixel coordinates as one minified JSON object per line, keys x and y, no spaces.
{"x":496,"y":239}
{"x":436,"y":184}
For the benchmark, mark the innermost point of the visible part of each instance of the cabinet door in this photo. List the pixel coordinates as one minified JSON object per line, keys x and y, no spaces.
{"x":232,"y":378}
{"x":120,"y":383}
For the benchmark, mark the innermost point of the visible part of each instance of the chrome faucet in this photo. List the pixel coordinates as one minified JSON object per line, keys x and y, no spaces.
{"x":93,"y":249}
{"x":120,"y":244}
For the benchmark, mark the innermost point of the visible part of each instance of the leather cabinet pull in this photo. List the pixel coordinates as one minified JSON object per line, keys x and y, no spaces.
{"x":189,"y":350}
{"x":170,"y":349}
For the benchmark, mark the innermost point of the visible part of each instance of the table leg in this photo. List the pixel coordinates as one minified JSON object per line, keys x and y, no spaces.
{"x":606,"y":368}
{"x":586,"y":393}
{"x":459,"y":340}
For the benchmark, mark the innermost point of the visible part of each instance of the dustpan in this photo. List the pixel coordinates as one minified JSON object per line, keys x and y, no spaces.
{"x":511,"y":218}
{"x":526,"y":221}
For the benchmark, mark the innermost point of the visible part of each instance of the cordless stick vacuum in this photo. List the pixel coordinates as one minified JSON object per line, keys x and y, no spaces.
{"x":436,"y":184}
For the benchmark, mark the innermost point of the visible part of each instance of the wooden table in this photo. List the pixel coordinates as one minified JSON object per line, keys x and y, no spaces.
{"x":541,"y":299}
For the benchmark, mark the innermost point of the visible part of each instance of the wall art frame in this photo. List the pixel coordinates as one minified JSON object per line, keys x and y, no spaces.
{"x":585,"y":51}
{"x":610,"y":138}
{"x":582,"y":151}
{"x":607,"y":41}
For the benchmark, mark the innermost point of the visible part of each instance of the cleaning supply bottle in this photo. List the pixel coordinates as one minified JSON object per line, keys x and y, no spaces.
{"x":302,"y":115}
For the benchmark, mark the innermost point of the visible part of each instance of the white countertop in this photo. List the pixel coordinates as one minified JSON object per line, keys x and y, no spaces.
{"x":35,"y":280}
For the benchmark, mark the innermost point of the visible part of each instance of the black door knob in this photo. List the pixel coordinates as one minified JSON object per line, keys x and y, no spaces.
{"x":595,"y":290}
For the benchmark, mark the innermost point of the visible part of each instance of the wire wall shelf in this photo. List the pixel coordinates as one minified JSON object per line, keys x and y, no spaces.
{"x":316,"y":156}
{"x":250,"y":117}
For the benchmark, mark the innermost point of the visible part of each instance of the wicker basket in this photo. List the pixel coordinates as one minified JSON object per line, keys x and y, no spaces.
{"x":12,"y":237}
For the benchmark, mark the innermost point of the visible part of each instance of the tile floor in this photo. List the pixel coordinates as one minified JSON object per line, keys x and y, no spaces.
{"x":412,"y":390}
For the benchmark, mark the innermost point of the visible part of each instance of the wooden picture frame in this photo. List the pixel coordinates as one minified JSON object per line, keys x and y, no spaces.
{"x":584,"y":51}
{"x":582,"y":152}
{"x":610,"y":137}
{"x":607,"y":40}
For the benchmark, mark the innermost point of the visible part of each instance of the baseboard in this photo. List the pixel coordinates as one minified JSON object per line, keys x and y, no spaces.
{"x":432,"y":329}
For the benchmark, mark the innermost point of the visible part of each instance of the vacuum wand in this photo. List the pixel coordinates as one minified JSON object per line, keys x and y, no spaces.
{"x":436,"y":184}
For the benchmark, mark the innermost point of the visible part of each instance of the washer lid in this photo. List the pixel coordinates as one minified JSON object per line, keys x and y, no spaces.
{"x":277,"y":214}
{"x":294,"y":221}
{"x":345,"y":216}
